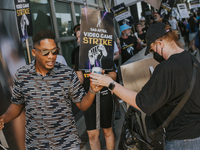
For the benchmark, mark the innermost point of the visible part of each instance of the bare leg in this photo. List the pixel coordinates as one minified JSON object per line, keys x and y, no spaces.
{"x":192,"y":44}
{"x":94,"y":139}
{"x":110,"y":139}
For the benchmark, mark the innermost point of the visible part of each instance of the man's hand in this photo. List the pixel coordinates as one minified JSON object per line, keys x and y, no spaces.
{"x":95,"y":88}
{"x":1,"y":123}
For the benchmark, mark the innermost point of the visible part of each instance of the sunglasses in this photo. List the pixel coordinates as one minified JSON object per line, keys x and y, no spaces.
{"x":46,"y":52}
{"x":142,"y":20}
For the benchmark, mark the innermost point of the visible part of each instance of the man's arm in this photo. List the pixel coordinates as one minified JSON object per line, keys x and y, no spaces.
{"x":80,"y":76}
{"x":12,"y":112}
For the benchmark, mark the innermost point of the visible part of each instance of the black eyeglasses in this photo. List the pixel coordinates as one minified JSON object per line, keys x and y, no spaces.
{"x":142,"y":20}
{"x":46,"y":52}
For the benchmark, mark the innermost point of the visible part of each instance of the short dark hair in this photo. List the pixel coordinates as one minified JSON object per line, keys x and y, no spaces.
{"x":78,"y":25}
{"x":43,"y":34}
{"x":76,"y":28}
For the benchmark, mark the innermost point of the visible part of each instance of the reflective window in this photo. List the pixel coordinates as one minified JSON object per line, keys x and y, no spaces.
{"x":92,"y":1}
{"x":64,"y":19}
{"x":100,"y":4}
{"x":41,"y":18}
{"x":67,"y":48}
{"x":78,"y":12}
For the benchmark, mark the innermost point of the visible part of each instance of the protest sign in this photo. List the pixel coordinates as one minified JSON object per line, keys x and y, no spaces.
{"x":24,"y":19}
{"x":122,"y":15}
{"x":166,"y":7}
{"x":183,"y":10}
{"x":96,"y":44}
{"x":194,"y":4}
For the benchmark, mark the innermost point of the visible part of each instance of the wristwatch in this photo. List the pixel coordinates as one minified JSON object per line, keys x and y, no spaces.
{"x":111,"y":86}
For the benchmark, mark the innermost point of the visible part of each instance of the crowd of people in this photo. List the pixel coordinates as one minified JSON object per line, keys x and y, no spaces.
{"x":46,"y":87}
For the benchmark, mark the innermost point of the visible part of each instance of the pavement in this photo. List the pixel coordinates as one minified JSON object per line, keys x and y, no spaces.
{"x":80,"y":122}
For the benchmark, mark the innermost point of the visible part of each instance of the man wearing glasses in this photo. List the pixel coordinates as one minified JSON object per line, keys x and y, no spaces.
{"x":157,"y":19}
{"x":144,"y":27}
{"x":45,"y":88}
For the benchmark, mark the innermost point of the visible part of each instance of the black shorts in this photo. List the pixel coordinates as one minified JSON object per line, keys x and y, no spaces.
{"x":106,"y":111}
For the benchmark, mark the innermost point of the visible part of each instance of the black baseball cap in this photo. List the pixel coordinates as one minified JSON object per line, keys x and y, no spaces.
{"x":154,"y":32}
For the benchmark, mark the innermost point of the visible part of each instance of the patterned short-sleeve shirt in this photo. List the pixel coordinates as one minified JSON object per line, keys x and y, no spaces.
{"x":47,"y":100}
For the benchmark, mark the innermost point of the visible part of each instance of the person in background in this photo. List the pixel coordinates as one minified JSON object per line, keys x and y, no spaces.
{"x":46,"y":90}
{"x":76,"y":50}
{"x":198,"y":18}
{"x":149,"y":22}
{"x":166,"y":87}
{"x":143,"y":24}
{"x":173,"y":23}
{"x":61,"y":60}
{"x":106,"y":107}
{"x":192,"y":28}
{"x":128,"y":43}
{"x":197,"y":40}
{"x":141,"y":35}
{"x":182,"y":28}
{"x":157,"y":18}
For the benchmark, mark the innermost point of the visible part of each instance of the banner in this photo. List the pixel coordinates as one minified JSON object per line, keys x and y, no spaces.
{"x":183,"y":10}
{"x":122,"y":15}
{"x":194,"y":4}
{"x":128,"y":2}
{"x":166,"y":7}
{"x":96,"y":44}
{"x":154,"y":3}
{"x":24,"y":21}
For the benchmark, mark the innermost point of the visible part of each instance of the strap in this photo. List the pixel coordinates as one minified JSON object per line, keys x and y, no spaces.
{"x":183,"y":100}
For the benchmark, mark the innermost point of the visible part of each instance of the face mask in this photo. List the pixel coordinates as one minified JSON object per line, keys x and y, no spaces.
{"x":158,"y":57}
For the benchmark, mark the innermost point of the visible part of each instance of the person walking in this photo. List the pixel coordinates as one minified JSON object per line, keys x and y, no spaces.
{"x":166,"y":87}
{"x":45,"y":89}
{"x":192,"y":28}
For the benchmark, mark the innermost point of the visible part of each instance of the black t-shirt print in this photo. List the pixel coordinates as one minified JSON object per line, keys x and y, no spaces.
{"x":128,"y":48}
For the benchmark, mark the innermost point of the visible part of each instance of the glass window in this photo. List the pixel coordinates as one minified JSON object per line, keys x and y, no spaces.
{"x":78,"y":12}
{"x":64,"y":19}
{"x":41,"y":18}
{"x":100,"y":4}
{"x":67,"y":48}
{"x":92,"y":1}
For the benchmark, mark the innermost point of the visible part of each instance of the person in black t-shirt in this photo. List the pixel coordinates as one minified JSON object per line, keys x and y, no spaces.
{"x":144,"y":27}
{"x":166,"y":87}
{"x":128,"y":43}
{"x":141,"y":35}
{"x":157,"y":19}
{"x":106,"y":108}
